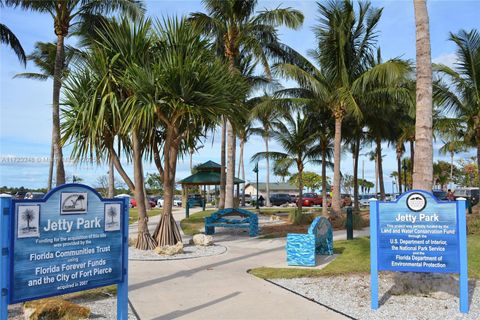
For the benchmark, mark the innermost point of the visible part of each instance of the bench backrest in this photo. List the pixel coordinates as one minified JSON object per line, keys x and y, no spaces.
{"x":322,"y":229}
{"x":222,"y":215}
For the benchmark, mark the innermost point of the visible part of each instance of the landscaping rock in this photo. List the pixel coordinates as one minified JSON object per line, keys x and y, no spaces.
{"x":54,"y":309}
{"x":202,"y":240}
{"x":170,"y":250}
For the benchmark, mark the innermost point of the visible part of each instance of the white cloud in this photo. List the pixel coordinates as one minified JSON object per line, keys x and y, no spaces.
{"x":448,"y":59}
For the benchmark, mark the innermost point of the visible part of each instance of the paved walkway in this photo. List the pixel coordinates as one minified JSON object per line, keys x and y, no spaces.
{"x":219,"y":287}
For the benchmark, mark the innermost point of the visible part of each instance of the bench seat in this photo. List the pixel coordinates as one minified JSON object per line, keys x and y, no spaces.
{"x":220,"y":219}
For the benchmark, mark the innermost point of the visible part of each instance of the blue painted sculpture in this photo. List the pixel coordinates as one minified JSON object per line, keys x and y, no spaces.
{"x":302,"y":248}
{"x":219,"y":219}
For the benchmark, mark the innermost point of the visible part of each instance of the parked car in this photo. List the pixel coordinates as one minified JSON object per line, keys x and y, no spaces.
{"x":133,"y":203}
{"x":440,"y":195}
{"x":311,"y":199}
{"x":277,"y":199}
{"x":364,"y":199}
{"x":470,"y":193}
{"x":195,"y":200}
{"x":293,"y":198}
{"x":177,"y":201}
{"x":34,"y":195}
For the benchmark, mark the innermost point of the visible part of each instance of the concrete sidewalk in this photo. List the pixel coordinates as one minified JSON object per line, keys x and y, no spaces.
{"x":219,"y":287}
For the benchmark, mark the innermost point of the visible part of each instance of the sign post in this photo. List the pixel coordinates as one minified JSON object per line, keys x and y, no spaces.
{"x":69,"y":241}
{"x":418,"y":233}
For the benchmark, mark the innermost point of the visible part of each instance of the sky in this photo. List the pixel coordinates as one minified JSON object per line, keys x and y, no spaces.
{"x":25,"y":113}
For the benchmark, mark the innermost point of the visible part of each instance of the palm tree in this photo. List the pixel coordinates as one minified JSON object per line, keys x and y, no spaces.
{"x":423,"y":161}
{"x":43,"y":56}
{"x":28,"y":215}
{"x":185,"y":86}
{"x":345,"y":40}
{"x":66,"y":14}
{"x":96,"y":116}
{"x":295,"y":135}
{"x":267,"y":112}
{"x":236,"y":27}
{"x":10,"y":39}
{"x":462,"y":96}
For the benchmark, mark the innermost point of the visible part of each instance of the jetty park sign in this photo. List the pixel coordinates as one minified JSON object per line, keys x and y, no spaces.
{"x":71,"y":240}
{"x":418,"y":233}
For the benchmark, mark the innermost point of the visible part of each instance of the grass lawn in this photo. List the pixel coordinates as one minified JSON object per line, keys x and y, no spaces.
{"x":133,"y":217}
{"x":355,"y":258}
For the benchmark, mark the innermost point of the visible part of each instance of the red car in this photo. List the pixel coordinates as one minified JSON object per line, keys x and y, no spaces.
{"x":133,"y":203}
{"x":311,"y":199}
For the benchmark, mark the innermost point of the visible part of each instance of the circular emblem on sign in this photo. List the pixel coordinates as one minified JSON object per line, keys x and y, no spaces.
{"x":416,"y":202}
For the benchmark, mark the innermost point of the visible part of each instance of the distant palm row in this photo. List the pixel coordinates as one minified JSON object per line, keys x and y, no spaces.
{"x":153,"y":90}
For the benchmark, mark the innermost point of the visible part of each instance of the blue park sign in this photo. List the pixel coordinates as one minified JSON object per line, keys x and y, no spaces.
{"x":418,"y":233}
{"x":71,"y":240}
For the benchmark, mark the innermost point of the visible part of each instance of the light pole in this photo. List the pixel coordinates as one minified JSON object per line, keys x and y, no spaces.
{"x":256,"y":171}
{"x":404,"y":167}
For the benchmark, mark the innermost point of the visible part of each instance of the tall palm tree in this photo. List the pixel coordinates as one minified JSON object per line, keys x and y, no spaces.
{"x":295,"y":135}
{"x":462,"y":96}
{"x":345,"y":40}
{"x":236,"y":27}
{"x":267,"y":113}
{"x":184,"y":86}
{"x":97,"y":116}
{"x":423,"y":161}
{"x":43,"y":56}
{"x":66,"y":14}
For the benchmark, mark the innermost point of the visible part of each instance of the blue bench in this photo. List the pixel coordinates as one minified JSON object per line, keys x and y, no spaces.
{"x":221,"y":218}
{"x":302,"y":248}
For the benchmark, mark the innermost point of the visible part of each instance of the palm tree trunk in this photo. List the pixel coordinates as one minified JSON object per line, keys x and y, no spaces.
{"x":412,"y":159}
{"x":231,"y":148}
{"x":166,"y":232}
{"x":267,"y":186}
{"x":336,"y":164}
{"x":478,"y":153}
{"x":221,"y":203}
{"x":451,"y":164}
{"x":380,"y":169}
{"x":242,"y":170}
{"x":298,"y":214}
{"x":376,"y":174}
{"x":399,"y":170}
{"x":50,"y":167}
{"x":324,"y":181}
{"x":356,"y":155}
{"x":111,"y":178}
{"x":144,"y":240}
{"x":423,"y":170}
{"x":57,"y":85}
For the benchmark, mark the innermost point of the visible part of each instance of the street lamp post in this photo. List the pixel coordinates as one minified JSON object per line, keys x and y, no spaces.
{"x":404,"y":167}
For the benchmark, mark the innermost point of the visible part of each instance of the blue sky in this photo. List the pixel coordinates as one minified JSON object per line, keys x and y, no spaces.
{"x":25,"y":113}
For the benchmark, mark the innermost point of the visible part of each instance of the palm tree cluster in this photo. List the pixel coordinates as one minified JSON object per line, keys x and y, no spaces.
{"x":139,"y":90}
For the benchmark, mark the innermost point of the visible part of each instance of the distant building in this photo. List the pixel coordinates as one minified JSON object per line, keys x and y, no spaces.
{"x":275,"y":187}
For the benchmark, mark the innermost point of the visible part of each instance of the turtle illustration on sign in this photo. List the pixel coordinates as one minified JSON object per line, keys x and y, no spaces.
{"x":73,"y":202}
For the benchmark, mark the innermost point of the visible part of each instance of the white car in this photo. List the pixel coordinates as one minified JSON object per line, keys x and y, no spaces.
{"x":176,"y":202}
{"x":364,"y":200}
